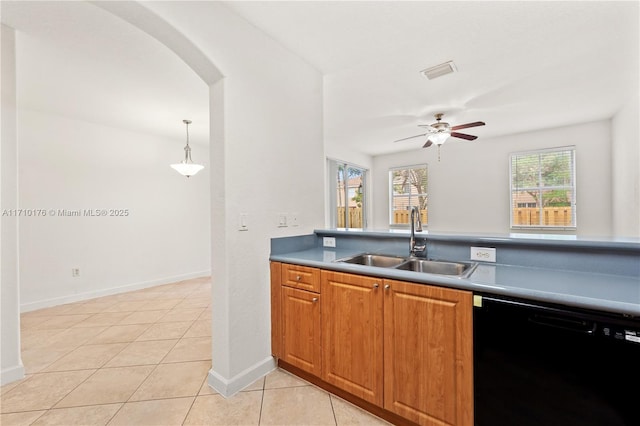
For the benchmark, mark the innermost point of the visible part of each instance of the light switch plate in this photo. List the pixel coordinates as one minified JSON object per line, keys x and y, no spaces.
{"x":242,"y":222}
{"x":282,"y":220}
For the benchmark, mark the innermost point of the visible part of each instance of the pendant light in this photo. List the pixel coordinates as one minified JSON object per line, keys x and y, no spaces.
{"x":187,"y":167}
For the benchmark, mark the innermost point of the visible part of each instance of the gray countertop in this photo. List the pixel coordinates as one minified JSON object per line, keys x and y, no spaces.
{"x":605,"y":292}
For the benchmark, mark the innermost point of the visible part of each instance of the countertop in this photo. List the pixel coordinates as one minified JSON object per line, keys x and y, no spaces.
{"x":618,"y":294}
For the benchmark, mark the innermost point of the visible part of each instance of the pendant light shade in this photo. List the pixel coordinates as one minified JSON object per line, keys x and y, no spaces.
{"x":439,"y":138}
{"x":187,"y":167}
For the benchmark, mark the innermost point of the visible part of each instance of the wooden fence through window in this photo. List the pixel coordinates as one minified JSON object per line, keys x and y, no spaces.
{"x":552,"y":216}
{"x":355,"y":217}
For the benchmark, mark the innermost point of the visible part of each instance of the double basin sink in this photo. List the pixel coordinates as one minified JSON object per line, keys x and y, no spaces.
{"x":457,"y":269}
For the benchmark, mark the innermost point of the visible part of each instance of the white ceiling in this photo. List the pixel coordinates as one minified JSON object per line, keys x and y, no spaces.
{"x":77,"y":60}
{"x":521,"y":65}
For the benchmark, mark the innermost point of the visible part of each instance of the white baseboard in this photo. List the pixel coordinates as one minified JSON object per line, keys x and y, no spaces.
{"x":47,"y":303}
{"x":229,"y":387}
{"x":11,"y":374}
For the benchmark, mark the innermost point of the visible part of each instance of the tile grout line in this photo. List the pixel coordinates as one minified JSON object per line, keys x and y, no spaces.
{"x":194,"y":400}
{"x":76,"y":387}
{"x":264,"y":385}
{"x":333,"y":410}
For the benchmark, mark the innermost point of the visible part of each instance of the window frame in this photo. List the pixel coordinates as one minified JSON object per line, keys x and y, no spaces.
{"x":572,"y":187}
{"x":333,"y":165}
{"x":424,"y":166}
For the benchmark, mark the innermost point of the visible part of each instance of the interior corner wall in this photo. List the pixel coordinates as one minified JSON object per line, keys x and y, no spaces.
{"x":273,"y":163}
{"x":469,"y":186}
{"x":625,"y":188}
{"x":11,"y":367}
{"x":104,"y":200}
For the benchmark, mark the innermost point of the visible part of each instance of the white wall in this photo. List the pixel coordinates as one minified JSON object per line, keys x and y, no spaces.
{"x":469,"y":187}
{"x":73,"y":165}
{"x":11,"y":367}
{"x":267,"y":155}
{"x":626,"y":170}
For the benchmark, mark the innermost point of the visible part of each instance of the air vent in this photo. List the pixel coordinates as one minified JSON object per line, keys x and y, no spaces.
{"x":439,"y":70}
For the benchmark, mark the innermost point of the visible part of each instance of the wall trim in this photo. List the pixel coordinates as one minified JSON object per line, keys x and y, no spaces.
{"x":47,"y":303}
{"x":11,"y":374}
{"x":229,"y":387}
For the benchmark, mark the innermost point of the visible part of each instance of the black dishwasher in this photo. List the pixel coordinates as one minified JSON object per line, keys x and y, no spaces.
{"x":544,"y":365}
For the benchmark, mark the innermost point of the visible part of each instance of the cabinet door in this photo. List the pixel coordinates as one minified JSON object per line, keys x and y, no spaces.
{"x":301,"y":329}
{"x":352,"y":334}
{"x":428,"y":359}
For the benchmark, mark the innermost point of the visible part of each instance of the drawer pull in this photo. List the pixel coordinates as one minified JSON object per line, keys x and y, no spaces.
{"x":298,"y":277}
{"x":314,"y":300}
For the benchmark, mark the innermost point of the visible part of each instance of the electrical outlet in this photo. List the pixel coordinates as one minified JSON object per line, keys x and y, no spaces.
{"x":282,"y":220}
{"x":328,"y":241}
{"x":483,"y":254}
{"x":75,"y":272}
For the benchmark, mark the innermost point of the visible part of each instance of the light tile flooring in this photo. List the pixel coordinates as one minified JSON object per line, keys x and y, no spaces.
{"x":142,"y":358}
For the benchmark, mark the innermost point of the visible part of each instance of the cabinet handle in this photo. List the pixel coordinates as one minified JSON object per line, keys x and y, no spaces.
{"x":314,"y":300}
{"x":387,"y":287}
{"x":298,"y":277}
{"x":376,"y":285}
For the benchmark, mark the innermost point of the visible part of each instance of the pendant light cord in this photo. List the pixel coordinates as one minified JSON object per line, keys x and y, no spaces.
{"x":187,"y":149}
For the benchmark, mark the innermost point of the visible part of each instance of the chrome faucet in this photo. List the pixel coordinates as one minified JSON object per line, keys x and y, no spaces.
{"x":416,"y":225}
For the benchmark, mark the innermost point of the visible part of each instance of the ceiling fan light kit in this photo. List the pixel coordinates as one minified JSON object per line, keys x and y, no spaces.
{"x":440,"y":131}
{"x":187,"y":167}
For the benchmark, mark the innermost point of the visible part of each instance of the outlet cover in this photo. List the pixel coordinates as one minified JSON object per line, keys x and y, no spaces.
{"x":328,"y":241}
{"x":483,"y":254}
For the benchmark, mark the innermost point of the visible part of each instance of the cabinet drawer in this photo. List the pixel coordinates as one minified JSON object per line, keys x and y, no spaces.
{"x":301,"y":277}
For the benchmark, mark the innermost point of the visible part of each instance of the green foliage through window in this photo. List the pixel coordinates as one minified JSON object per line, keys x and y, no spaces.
{"x":408,"y":187}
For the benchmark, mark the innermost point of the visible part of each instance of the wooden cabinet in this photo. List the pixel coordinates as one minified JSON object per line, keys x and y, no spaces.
{"x":301,"y":329}
{"x":301,"y":277}
{"x":352,"y":334}
{"x":407,"y":348}
{"x":428,"y":353}
{"x":276,"y":309}
{"x":295,"y":316}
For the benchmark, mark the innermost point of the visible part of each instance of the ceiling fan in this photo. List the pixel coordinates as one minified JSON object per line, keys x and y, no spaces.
{"x":440,"y":131}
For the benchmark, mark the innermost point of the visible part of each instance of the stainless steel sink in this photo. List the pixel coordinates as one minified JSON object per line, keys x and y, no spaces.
{"x":459,"y":269}
{"x":370,"y":259}
{"x":440,"y":267}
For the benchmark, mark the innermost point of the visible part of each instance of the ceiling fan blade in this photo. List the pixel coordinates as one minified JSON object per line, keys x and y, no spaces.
{"x":463,"y":136}
{"x":466,"y":126}
{"x":411,"y":137}
{"x":428,"y":144}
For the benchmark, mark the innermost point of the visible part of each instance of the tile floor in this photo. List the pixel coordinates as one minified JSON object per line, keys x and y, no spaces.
{"x":142,"y":358}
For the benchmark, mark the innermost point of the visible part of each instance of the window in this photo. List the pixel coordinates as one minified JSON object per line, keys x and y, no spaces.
{"x":347,"y":195}
{"x":408,"y":188}
{"x":543,"y":189}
